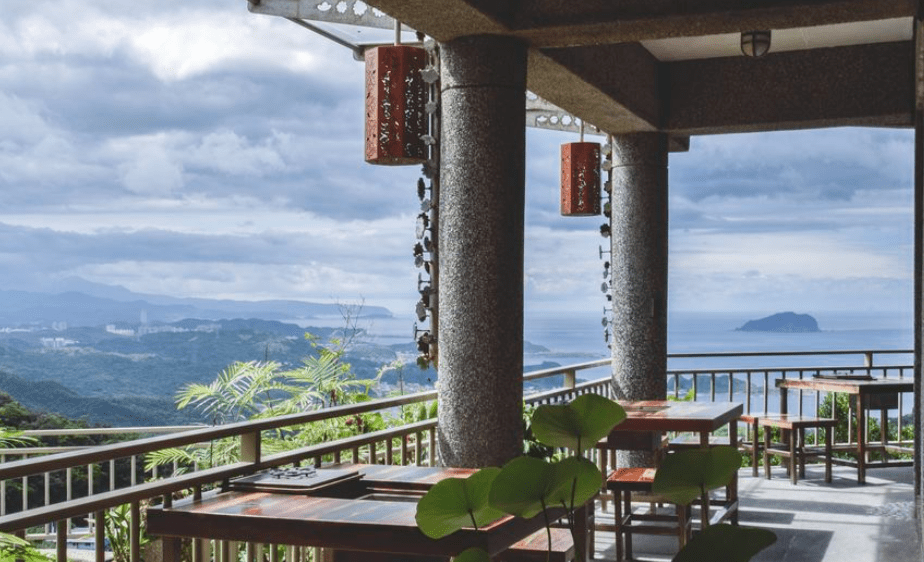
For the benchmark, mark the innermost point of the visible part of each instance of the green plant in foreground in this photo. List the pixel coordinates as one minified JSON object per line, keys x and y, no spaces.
{"x":526,"y":487}
{"x":13,"y":548}
{"x":118,"y":525}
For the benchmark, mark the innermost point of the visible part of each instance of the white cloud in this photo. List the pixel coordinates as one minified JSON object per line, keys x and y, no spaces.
{"x":227,"y":152}
{"x":152,"y":172}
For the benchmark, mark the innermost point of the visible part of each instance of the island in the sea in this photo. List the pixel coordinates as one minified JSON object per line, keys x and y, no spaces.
{"x":788,"y":322}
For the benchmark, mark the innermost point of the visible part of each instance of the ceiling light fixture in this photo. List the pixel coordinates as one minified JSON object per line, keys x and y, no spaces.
{"x":755,"y":43}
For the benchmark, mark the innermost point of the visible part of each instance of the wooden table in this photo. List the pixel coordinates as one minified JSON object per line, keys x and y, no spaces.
{"x":866,"y":393}
{"x":334,"y":517}
{"x":703,"y":418}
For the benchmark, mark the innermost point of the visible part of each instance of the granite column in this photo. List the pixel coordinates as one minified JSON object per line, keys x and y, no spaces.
{"x":639,"y":234}
{"x":481,"y":209}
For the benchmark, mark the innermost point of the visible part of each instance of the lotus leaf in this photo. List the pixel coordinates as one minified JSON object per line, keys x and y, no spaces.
{"x":579,"y":424}
{"x":454,"y":503}
{"x":684,"y":476}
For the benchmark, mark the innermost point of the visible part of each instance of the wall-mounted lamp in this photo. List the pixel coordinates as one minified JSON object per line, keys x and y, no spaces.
{"x":755,"y":43}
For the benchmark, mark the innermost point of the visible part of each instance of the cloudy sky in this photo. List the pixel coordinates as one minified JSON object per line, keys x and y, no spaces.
{"x":195,"y":149}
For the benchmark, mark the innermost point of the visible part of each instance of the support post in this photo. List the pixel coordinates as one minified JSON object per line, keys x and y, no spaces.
{"x":480,"y":239}
{"x":919,"y":261}
{"x":639,"y":233}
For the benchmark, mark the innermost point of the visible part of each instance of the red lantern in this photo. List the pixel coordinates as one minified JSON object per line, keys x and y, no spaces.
{"x":396,"y":98}
{"x":580,"y":179}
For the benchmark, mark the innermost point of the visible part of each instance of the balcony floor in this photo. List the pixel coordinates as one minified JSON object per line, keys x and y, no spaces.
{"x":814,"y":521}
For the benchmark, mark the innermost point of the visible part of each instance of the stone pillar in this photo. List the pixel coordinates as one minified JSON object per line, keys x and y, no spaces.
{"x":919,"y":271}
{"x":639,"y":278}
{"x":481,"y":210}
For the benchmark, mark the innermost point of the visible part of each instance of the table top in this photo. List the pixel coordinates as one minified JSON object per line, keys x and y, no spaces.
{"x":383,"y":518}
{"x":666,"y":415}
{"x":849,"y":385}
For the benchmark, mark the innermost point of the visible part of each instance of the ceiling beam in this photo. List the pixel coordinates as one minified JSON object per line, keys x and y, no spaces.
{"x":443,"y":20}
{"x":549,"y":23}
{"x":587,"y":81}
{"x":862,"y":85}
{"x":561,"y":23}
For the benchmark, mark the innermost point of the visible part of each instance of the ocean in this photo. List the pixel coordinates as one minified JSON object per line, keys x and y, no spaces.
{"x":568,"y":339}
{"x":575,"y":338}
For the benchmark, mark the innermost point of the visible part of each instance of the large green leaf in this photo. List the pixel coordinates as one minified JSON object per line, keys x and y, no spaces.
{"x":453,"y":503}
{"x":523,"y":486}
{"x":575,"y":481}
{"x":684,"y":476}
{"x":579,"y":424}
{"x":726,"y":543}
{"x":473,"y":554}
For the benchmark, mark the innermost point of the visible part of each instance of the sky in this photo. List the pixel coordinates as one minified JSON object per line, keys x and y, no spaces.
{"x":196,"y":149}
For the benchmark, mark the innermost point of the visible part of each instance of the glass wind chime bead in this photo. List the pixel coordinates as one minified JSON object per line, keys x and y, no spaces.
{"x":580,"y":179}
{"x":396,"y":99}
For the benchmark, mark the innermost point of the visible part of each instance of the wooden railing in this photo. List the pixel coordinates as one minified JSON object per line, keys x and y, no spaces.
{"x":405,"y":444}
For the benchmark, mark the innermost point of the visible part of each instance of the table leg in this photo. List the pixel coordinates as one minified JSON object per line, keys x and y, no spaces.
{"x":581,"y":522}
{"x":793,"y":474}
{"x":884,"y":432}
{"x":172,"y":549}
{"x":732,"y":493}
{"x":801,"y":447}
{"x":766,"y":453}
{"x":861,"y":440}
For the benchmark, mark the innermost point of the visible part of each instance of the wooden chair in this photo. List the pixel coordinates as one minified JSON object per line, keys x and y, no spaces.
{"x":623,"y":482}
{"x":793,"y":443}
{"x":751,"y":444}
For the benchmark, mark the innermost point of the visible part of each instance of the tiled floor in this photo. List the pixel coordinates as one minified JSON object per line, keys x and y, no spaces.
{"x":814,"y":521}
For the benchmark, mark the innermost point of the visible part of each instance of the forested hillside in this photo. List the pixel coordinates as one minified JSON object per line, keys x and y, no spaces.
{"x":128,"y":375}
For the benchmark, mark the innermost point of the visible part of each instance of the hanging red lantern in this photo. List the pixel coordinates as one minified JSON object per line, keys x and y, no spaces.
{"x":580,"y":179}
{"x":396,"y":98}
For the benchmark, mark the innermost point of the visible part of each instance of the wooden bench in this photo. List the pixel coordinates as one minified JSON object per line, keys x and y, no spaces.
{"x":535,"y":548}
{"x":623,"y":482}
{"x":793,"y":447}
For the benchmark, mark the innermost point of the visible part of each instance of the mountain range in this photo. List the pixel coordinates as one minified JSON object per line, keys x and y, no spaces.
{"x":97,"y":305}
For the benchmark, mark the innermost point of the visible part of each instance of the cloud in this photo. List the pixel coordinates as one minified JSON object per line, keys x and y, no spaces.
{"x":193,"y":148}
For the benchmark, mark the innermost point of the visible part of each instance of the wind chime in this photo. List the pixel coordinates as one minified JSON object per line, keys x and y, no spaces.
{"x":581,"y":196}
{"x":396,"y":96}
{"x":402,"y":127}
{"x":580,"y":178}
{"x":607,"y":286}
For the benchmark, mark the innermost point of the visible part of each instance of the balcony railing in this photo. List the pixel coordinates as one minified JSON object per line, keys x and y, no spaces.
{"x":405,"y":444}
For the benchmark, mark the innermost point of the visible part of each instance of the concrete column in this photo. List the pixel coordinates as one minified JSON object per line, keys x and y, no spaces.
{"x":481,"y":209}
{"x":919,"y":268}
{"x":639,"y":278}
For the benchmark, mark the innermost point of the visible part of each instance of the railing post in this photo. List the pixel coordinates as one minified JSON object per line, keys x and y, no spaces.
{"x":61,"y":541}
{"x":135,"y":532}
{"x":570,"y":378}
{"x":868,"y":358}
{"x":99,"y":530}
{"x":250,"y":447}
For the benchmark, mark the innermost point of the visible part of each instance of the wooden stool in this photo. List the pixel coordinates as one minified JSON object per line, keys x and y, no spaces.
{"x":535,"y":548}
{"x":751,"y":442}
{"x":794,"y":442}
{"x":623,"y":482}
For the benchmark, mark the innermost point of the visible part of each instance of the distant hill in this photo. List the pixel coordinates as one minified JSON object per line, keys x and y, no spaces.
{"x":73,"y":308}
{"x":124,"y":411}
{"x":787,"y":322}
{"x":128,"y":374}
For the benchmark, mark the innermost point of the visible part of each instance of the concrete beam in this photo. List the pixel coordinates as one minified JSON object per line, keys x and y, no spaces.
{"x":547,"y":23}
{"x":565,"y":23}
{"x":595,"y":88}
{"x":868,"y":85}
